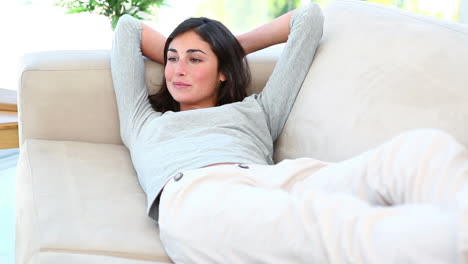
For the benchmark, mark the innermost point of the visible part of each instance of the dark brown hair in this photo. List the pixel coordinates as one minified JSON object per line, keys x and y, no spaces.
{"x":231,"y":62}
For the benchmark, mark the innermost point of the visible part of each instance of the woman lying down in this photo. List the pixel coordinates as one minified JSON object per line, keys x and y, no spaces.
{"x":203,"y":153}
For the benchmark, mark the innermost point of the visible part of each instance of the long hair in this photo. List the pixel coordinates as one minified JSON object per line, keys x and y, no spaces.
{"x":231,"y":62}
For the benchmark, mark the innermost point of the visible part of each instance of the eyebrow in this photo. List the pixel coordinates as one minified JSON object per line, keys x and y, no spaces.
{"x":188,"y":51}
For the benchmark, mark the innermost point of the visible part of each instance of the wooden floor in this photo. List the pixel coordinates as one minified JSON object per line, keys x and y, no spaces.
{"x":8,"y":119}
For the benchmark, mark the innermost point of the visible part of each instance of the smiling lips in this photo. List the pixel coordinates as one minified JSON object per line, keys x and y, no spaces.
{"x":180,"y":85}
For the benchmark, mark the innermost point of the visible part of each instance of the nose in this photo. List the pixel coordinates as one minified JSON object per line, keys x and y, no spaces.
{"x":180,"y":68}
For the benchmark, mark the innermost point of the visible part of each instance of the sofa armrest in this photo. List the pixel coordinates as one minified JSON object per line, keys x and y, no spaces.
{"x":68,"y":95}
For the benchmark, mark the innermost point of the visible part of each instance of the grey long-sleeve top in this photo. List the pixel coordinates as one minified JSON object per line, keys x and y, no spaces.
{"x":162,"y":144}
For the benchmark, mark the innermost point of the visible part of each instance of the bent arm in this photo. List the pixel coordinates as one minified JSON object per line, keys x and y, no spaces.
{"x":152,"y":43}
{"x":128,"y":75}
{"x":279,"y":94}
{"x":271,"y":33}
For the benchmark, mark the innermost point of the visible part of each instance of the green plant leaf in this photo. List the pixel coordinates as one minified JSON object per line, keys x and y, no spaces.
{"x":113,"y":9}
{"x":78,"y":9}
{"x":137,"y":16}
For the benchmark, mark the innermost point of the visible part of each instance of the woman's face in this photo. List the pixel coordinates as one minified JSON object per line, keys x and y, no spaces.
{"x":191,"y":72}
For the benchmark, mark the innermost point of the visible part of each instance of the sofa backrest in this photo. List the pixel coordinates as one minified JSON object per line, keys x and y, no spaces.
{"x":379,"y":71}
{"x":68,"y":95}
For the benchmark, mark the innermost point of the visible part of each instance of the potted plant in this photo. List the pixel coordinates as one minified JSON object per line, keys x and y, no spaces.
{"x":113,"y":9}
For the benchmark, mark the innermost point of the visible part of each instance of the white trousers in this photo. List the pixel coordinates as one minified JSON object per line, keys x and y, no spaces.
{"x":402,"y":202}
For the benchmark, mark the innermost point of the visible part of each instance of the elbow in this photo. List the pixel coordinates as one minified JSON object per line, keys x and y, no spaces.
{"x":127,"y":23}
{"x":310,"y":15}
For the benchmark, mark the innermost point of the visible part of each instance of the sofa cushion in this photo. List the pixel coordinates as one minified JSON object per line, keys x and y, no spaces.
{"x":83,"y":200}
{"x":378,"y":72}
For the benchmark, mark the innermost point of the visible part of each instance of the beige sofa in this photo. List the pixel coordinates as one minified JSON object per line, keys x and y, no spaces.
{"x":378,"y":71}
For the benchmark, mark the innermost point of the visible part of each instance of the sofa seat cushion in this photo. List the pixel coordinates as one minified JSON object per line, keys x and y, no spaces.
{"x":83,"y":199}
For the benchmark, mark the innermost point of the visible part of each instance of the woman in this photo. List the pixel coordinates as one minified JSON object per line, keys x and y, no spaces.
{"x":203,"y":152}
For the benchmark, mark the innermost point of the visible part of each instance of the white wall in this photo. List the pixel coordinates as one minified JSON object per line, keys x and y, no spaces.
{"x":463,"y":13}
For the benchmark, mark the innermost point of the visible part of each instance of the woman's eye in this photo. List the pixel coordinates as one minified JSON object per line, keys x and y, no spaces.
{"x":172,"y":59}
{"x":195,"y":60}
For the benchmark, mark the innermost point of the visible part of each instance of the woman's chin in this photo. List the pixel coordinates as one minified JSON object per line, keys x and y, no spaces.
{"x":185,"y":103}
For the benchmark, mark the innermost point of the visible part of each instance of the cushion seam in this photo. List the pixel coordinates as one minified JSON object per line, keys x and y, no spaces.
{"x":106,"y":253}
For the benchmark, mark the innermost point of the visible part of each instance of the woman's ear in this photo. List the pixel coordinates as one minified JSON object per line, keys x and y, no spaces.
{"x":222,"y":77}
